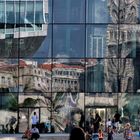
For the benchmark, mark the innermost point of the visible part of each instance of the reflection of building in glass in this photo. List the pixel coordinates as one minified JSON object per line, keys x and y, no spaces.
{"x":65,"y":78}
{"x":94,"y":76}
{"x":8,"y":77}
{"x":96,"y":41}
{"x":97,"y":46}
{"x":87,"y":63}
{"x":23,"y":19}
{"x":44,"y":77}
{"x":123,"y":42}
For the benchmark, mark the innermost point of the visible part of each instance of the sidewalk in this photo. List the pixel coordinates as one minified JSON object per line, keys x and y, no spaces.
{"x":55,"y":137}
{"x":42,"y":136}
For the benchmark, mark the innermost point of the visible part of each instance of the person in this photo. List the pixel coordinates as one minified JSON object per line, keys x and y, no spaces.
{"x":117,"y":120}
{"x":35,"y":133}
{"x":100,"y":134}
{"x":110,"y":133}
{"x":27,"y":134}
{"x":34,"y":120}
{"x":108,"y":123}
{"x":128,"y":134}
{"x":97,"y":122}
{"x":77,"y":133}
{"x":117,"y":116}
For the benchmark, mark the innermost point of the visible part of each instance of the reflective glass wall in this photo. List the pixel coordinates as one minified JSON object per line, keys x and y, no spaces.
{"x":67,"y":59}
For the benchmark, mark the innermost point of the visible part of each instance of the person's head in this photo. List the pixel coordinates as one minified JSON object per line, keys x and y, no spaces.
{"x":108,"y":119}
{"x":77,"y":134}
{"x":128,"y":125}
{"x":34,"y":113}
{"x":76,"y":115}
{"x":100,"y":130}
{"x":109,"y":128}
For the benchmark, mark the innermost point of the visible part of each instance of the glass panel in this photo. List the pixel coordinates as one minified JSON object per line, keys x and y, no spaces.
{"x":10,"y":17}
{"x":30,"y":12}
{"x":96,"y":37}
{"x":130,"y":17}
{"x":42,"y":100}
{"x":128,"y":38}
{"x":11,"y":46}
{"x":45,"y":49}
{"x":32,"y":112}
{"x":29,"y":45}
{"x":67,"y":111}
{"x":129,"y":104}
{"x":69,"y":11}
{"x":45,"y":120}
{"x":66,"y":75}
{"x":105,"y":113}
{"x":101,"y":99}
{"x":112,"y":41}
{"x":39,"y":12}
{"x":95,"y":75}
{"x":8,"y":109}
{"x":8,"y":75}
{"x":23,"y":119}
{"x":35,"y":76}
{"x":17,"y":10}
{"x":22,"y":12}
{"x":97,"y":11}
{"x":2,"y":9}
{"x":111,"y":70}
{"x":68,"y":41}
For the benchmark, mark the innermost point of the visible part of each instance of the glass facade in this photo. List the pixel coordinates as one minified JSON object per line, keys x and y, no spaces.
{"x":67,"y":59}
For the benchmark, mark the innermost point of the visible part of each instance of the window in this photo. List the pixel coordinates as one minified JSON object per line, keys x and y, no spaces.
{"x":3,"y":79}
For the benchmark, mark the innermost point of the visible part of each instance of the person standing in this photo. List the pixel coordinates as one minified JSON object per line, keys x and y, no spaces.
{"x":35,"y":120}
{"x":108,"y":124}
{"x":100,"y":134}
{"x":97,"y":122}
{"x":110,"y":133}
{"x":128,"y":133}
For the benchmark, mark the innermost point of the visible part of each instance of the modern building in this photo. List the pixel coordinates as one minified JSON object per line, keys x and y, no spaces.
{"x":67,"y":59}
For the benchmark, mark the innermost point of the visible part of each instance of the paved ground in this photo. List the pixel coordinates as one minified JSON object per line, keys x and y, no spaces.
{"x":55,"y":137}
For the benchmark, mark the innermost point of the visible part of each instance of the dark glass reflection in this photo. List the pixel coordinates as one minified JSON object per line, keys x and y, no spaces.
{"x":97,"y":11}
{"x":68,"y":41}
{"x":69,"y":11}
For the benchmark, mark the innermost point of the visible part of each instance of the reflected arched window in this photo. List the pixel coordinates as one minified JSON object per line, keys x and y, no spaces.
{"x":3,"y":79}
